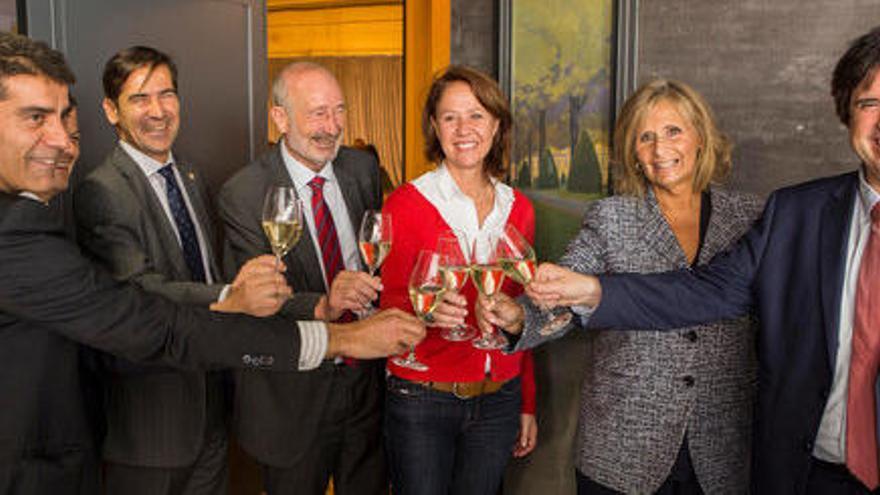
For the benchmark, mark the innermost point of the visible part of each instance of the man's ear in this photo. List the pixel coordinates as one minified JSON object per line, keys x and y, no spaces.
{"x":279,"y":116}
{"x":110,"y":111}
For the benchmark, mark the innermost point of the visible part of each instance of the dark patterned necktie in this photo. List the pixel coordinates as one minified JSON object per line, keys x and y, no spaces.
{"x":331,"y":253}
{"x":861,"y":408}
{"x":192,"y":254}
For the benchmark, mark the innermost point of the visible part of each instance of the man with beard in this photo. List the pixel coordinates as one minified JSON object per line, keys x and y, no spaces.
{"x":52,"y":299}
{"x":143,"y":214}
{"x":305,"y":428}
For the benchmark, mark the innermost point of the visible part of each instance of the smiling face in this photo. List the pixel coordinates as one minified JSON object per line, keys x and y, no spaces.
{"x":34,"y":144}
{"x":313,"y":118}
{"x":666,"y":146}
{"x":147,"y":112}
{"x":465,"y":129}
{"x":864,"y":126}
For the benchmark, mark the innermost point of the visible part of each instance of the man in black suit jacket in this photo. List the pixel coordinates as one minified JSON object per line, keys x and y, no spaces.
{"x":304,"y":428}
{"x":799,"y":269}
{"x":51,"y":298}
{"x":166,"y":431}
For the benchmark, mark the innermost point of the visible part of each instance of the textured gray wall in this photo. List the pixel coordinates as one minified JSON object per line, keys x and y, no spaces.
{"x":474,"y":35}
{"x":765,"y":68}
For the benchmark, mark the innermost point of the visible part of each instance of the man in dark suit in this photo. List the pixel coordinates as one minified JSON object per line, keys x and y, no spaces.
{"x":810,"y":268}
{"x":51,"y":298}
{"x":166,"y":429}
{"x":304,"y":428}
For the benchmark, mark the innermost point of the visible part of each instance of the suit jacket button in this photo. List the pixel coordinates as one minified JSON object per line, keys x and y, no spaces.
{"x":688,"y":381}
{"x":691,"y":336}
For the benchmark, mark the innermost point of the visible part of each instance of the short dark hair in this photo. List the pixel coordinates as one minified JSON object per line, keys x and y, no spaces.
{"x":489,"y":95}
{"x":860,"y":60}
{"x":121,"y":65}
{"x":20,"y":55}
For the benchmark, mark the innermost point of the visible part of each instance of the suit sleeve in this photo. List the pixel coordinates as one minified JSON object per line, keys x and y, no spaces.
{"x":47,"y":284}
{"x":107,"y":228}
{"x":240,"y":210}
{"x":721,"y":289}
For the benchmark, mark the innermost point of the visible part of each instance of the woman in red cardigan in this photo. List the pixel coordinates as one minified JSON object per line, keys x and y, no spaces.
{"x":452,"y":428}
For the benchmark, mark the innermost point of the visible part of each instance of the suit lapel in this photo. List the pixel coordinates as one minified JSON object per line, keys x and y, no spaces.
{"x":722,"y":230}
{"x":350,"y":191}
{"x":834,"y":227}
{"x":141,"y":187}
{"x":302,"y":261}
{"x":657,"y":234}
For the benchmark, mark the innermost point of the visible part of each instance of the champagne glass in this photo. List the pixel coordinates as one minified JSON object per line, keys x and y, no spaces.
{"x":454,"y":266}
{"x":374,"y":244}
{"x":282,"y":220}
{"x":426,"y":288}
{"x":518,"y":262}
{"x":487,"y":275}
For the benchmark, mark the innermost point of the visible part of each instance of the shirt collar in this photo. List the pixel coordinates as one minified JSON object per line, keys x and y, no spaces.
{"x":868,"y":197}
{"x":147,"y":164}
{"x":299,"y":173}
{"x":448,"y":189}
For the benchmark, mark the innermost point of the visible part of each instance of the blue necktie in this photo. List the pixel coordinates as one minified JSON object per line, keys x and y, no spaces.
{"x":192,"y":254}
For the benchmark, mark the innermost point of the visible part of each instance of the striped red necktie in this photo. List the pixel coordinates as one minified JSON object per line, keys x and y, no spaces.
{"x":861,"y":412}
{"x":331,"y":253}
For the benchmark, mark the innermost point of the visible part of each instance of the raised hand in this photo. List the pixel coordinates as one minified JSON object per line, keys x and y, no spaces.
{"x":350,"y":291}
{"x":451,"y":312}
{"x":386,"y":333}
{"x":259,"y":289}
{"x":557,"y":286}
{"x":501,"y":311}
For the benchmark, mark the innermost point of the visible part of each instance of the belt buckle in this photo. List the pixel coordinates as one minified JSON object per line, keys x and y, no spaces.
{"x":460,"y":395}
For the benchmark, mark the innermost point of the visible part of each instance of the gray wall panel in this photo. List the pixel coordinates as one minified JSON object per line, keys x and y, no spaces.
{"x":219,"y":48}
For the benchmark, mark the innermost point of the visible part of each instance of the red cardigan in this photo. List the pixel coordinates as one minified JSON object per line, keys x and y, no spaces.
{"x":417,"y":226}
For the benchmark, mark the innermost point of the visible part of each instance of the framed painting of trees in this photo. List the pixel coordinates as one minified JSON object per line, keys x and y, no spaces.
{"x":557,"y":62}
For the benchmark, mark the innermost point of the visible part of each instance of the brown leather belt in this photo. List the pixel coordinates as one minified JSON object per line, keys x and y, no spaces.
{"x":464,"y":390}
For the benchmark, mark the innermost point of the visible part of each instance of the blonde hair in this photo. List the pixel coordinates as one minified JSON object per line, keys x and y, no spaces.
{"x":713,"y":156}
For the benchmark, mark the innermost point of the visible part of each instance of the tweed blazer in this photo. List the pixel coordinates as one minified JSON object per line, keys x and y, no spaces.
{"x":643,"y":391}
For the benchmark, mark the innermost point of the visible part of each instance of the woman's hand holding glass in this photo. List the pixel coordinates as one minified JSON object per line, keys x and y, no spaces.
{"x":452,"y":310}
{"x":518,"y":260}
{"x":557,"y":286}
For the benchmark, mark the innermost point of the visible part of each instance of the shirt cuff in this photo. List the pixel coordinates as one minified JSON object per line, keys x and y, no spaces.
{"x":312,"y":344}
{"x":224,"y":293}
{"x":584,"y":312}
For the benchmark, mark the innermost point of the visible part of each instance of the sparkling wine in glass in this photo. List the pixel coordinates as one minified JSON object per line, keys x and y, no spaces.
{"x":374,"y":239}
{"x":518,"y":260}
{"x":426,"y":287}
{"x":455,"y":268}
{"x":487,"y":275}
{"x":282,"y":220}
{"x":374,"y":244}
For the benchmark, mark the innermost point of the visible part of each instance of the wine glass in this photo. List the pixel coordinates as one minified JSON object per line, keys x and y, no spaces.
{"x":487,"y":275}
{"x":518,"y":261}
{"x":282,"y":220}
{"x":426,"y":288}
{"x":374,"y":244}
{"x":455,"y":268}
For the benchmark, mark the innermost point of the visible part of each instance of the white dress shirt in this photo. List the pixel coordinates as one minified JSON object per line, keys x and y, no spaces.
{"x":301,"y":176}
{"x":460,"y":213}
{"x":830,"y":442}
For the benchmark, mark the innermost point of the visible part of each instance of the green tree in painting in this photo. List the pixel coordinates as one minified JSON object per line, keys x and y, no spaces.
{"x":585,"y":175}
{"x":524,"y":178}
{"x":548,"y":178}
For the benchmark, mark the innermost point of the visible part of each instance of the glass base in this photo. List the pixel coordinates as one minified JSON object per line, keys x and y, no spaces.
{"x":409,"y":361}
{"x":555,"y":323}
{"x":489,"y":342}
{"x":460,"y":333}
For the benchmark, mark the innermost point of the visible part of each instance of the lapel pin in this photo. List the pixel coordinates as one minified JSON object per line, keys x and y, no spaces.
{"x":191,"y":175}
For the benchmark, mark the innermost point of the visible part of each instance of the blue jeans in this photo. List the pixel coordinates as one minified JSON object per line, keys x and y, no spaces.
{"x":439,"y":444}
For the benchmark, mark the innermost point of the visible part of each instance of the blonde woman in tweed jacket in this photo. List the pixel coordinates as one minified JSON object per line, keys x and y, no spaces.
{"x":661,"y":412}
